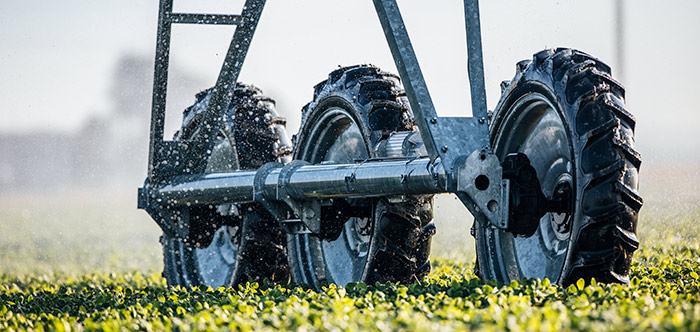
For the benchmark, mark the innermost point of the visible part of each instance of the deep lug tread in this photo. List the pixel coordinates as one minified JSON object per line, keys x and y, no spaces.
{"x":604,"y":174}
{"x":540,"y":57}
{"x":594,"y":258}
{"x":631,"y":154}
{"x":387,"y":245}
{"x":354,"y":75}
{"x":522,"y":65}
{"x":256,"y":130}
{"x":403,"y":230}
{"x":620,"y":111}
{"x":629,"y":239}
{"x":601,"y":131}
{"x":603,"y":233}
{"x":504,"y":86}
{"x":428,"y":231}
{"x":319,"y":87}
{"x":629,"y":196}
{"x":579,"y":56}
{"x":609,"y":264}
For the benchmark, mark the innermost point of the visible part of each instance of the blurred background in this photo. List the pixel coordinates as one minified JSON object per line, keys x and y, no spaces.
{"x":76,"y":81}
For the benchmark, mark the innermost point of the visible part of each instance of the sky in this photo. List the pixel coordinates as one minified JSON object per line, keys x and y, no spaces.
{"x":57,"y":57}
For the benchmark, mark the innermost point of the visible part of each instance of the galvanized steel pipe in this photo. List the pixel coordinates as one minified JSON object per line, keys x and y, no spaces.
{"x":370,"y":178}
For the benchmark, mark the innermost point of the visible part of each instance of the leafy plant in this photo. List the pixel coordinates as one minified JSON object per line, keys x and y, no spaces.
{"x":664,"y":294}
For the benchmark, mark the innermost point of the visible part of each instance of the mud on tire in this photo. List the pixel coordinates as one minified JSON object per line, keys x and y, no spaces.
{"x":229,"y":244}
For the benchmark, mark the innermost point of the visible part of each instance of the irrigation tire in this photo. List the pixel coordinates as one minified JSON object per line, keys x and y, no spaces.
{"x":229,"y":244}
{"x":559,"y":96}
{"x":370,"y":104}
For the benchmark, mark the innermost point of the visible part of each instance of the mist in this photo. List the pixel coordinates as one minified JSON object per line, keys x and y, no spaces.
{"x":76,"y":96}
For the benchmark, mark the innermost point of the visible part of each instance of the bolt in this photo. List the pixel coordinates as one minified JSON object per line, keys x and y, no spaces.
{"x":433,"y":120}
{"x":444,"y":148}
{"x":482,"y":120}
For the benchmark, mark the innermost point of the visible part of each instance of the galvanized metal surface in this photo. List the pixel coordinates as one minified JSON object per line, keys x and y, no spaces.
{"x":191,"y":156}
{"x":214,"y":19}
{"x":439,"y":133}
{"x":410,"y":72}
{"x":475,"y":62}
{"x":461,"y":136}
{"x":210,"y":188}
{"x":448,"y":141}
{"x":225,"y":83}
{"x":160,"y":84}
{"x":480,"y":178}
{"x":372,"y":178}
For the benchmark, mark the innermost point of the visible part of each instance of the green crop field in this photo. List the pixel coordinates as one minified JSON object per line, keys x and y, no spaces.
{"x":88,"y":260}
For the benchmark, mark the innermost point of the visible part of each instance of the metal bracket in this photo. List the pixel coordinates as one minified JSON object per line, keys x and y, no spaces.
{"x":277,"y":209}
{"x":309,"y":211}
{"x":295,"y":216}
{"x":461,"y":136}
{"x":438,"y":133}
{"x":481,"y":187}
{"x":170,"y":219}
{"x":295,"y":227}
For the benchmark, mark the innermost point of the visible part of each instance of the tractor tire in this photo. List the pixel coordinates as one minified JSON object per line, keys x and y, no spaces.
{"x":364,"y":239}
{"x":230,"y":244}
{"x":567,"y":114}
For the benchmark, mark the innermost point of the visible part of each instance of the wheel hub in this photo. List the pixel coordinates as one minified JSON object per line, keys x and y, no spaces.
{"x":561,"y":222}
{"x":528,"y":204}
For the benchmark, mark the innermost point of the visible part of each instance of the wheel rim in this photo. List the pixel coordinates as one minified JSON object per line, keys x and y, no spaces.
{"x":215,"y":263}
{"x":336,"y":138}
{"x":534,"y":127}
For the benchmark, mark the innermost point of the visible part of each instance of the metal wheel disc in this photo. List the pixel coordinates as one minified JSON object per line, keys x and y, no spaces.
{"x":215,"y":262}
{"x":337,"y":138}
{"x":535,"y":127}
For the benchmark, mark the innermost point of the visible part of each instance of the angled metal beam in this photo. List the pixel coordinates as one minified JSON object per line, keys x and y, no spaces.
{"x":475,"y":62}
{"x":411,"y":75}
{"x":226,"y":82}
{"x":446,"y":138}
{"x":196,"y":151}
